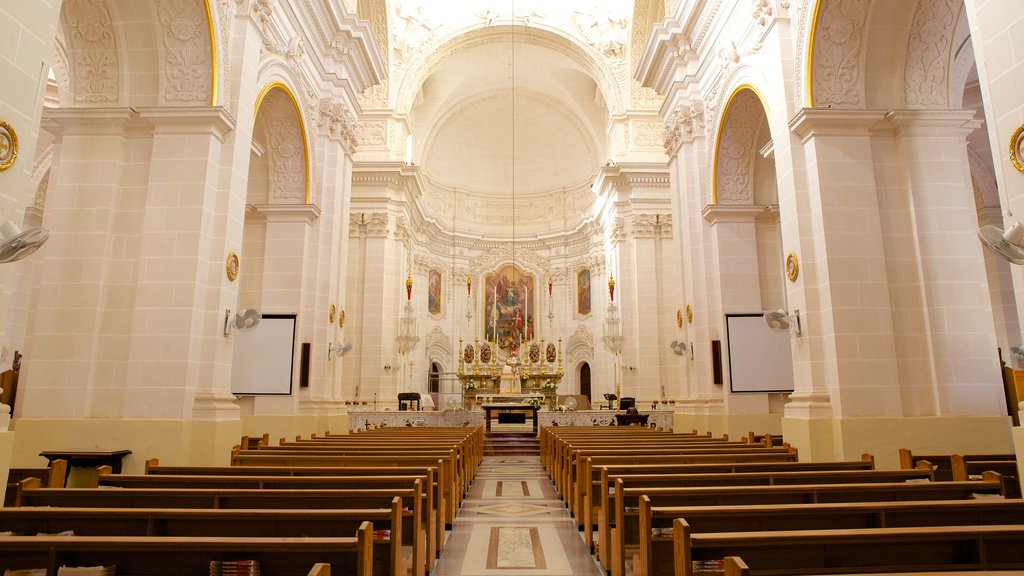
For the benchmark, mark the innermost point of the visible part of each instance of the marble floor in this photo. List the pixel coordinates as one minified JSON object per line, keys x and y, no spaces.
{"x":513,"y":523}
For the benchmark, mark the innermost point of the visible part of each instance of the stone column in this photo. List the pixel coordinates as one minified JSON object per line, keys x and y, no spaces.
{"x":958,"y":373}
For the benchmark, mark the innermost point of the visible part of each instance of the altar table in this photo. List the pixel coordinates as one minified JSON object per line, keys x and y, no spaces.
{"x":488,"y":408}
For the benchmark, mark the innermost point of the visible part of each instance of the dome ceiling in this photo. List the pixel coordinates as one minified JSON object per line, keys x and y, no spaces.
{"x":478,"y":121}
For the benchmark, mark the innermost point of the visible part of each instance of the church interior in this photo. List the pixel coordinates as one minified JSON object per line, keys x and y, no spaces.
{"x":241,"y":218}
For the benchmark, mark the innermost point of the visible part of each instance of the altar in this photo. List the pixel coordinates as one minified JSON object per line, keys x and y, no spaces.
{"x":489,"y":408}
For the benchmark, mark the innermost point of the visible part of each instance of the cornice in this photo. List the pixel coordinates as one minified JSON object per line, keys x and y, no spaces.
{"x":305,"y":213}
{"x":810,"y":122}
{"x":715,"y":213}
{"x":93,"y":121}
{"x":189,"y":119}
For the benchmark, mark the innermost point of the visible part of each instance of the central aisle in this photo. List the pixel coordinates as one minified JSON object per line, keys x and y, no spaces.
{"x":514,"y":523}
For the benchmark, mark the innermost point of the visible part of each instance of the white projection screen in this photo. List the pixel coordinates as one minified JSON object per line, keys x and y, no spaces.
{"x":263,"y":357}
{"x":760,"y":359}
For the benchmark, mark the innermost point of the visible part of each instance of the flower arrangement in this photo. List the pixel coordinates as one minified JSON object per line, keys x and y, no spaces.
{"x":456,"y":408}
{"x":469,"y":386}
{"x":563,"y":408}
{"x":535,"y":402}
{"x":549,"y":386}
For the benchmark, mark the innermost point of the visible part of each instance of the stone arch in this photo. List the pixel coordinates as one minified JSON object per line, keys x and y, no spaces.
{"x":741,"y":126}
{"x":139,"y":53}
{"x":439,"y":349}
{"x":579,"y":348}
{"x":610,"y":82}
{"x":835,"y":54}
{"x":279,"y":118}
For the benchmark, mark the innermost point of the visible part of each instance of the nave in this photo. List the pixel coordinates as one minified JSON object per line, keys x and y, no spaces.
{"x":513,"y":520}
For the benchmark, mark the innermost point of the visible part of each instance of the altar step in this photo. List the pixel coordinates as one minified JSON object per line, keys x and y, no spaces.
{"x":511,"y":443}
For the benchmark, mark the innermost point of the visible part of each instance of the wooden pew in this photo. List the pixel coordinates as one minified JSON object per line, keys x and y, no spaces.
{"x":237,"y":499}
{"x":942,"y":464}
{"x":433,"y":512}
{"x":465,"y":461}
{"x":735,"y":566}
{"x":603,"y":486}
{"x":53,"y":476}
{"x":286,"y":483}
{"x":591,"y":460}
{"x":793,"y":494}
{"x":579,"y":470}
{"x":656,"y":553}
{"x":627,"y":534}
{"x":300,"y":458}
{"x":230,"y":523}
{"x":173,"y":556}
{"x":869,"y":549}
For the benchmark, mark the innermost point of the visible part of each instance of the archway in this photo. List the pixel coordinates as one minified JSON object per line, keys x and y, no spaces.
{"x":585,"y":380}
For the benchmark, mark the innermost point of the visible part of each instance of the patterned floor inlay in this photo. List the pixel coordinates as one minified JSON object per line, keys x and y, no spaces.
{"x":512,"y":510}
{"x":513,"y":524}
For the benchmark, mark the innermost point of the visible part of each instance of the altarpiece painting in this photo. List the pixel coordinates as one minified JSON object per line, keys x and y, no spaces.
{"x":509,"y":307}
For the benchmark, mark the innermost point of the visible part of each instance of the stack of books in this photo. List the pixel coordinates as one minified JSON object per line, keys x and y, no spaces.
{"x":234,"y":568}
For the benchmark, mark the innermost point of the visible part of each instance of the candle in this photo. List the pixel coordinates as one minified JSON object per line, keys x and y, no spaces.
{"x":526,"y":320}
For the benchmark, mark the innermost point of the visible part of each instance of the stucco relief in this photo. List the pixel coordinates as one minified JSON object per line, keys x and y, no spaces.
{"x":187,"y":65}
{"x":683,"y":125}
{"x":287,"y":150}
{"x":224,"y":16}
{"x":376,"y":223}
{"x":580,"y":346}
{"x":93,"y":50}
{"x":336,"y":122}
{"x":375,"y":96}
{"x":39,"y":200}
{"x":928,"y":53}
{"x":413,"y":28}
{"x":526,"y":258}
{"x":837,"y":77}
{"x":647,"y":134}
{"x":439,"y":346}
{"x":733,"y":180}
{"x":603,"y":30}
{"x":643,"y":97}
{"x":373,"y":133}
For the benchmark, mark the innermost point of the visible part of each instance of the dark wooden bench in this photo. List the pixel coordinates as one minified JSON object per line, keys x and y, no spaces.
{"x":238,"y":499}
{"x":942,"y":464}
{"x":173,"y":556}
{"x":627,"y":500}
{"x":862,"y":550}
{"x":656,"y":553}
{"x":53,"y":476}
{"x":628,"y":533}
{"x":228,"y":523}
{"x":433,"y":511}
{"x":603,"y":479}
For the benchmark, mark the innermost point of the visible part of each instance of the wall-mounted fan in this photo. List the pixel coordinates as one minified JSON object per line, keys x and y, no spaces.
{"x":1018,"y":353}
{"x":16,"y":244}
{"x":678,"y":348}
{"x":244,"y":320}
{"x":781,"y":321}
{"x":338,"y":351}
{"x":1006,"y":244}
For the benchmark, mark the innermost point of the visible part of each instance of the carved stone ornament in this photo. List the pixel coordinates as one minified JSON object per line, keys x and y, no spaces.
{"x":928,"y":53}
{"x":187,"y":64}
{"x":682,"y":125}
{"x":734,"y":178}
{"x":336,"y":122}
{"x":92,"y":50}
{"x":287,"y":150}
{"x":837,"y":76}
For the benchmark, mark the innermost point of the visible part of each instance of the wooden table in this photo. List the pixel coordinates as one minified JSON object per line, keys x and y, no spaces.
{"x":83,"y":459}
{"x":488,"y":408}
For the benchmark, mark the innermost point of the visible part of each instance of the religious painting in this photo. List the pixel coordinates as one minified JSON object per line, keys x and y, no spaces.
{"x":509,"y":307}
{"x":583,"y":292}
{"x":434,"y":292}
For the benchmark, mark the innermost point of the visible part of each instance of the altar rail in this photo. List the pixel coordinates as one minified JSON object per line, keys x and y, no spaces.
{"x":366,"y":420}
{"x":359,"y":420}
{"x":660,"y":419}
